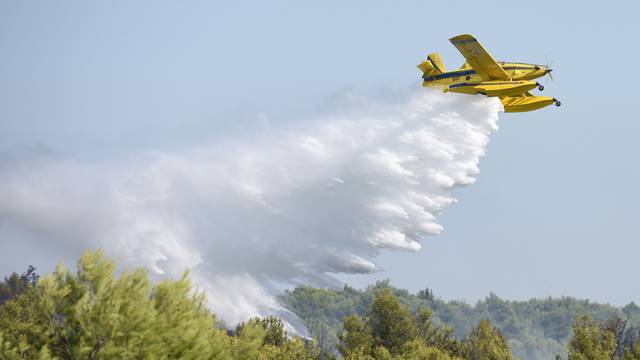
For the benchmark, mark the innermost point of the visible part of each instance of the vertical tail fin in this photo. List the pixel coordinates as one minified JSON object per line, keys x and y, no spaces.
{"x":433,"y":65}
{"x":436,"y":60}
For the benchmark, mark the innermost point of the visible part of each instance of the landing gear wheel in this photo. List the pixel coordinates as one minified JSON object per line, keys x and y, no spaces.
{"x":540,"y":87}
{"x":558,"y":103}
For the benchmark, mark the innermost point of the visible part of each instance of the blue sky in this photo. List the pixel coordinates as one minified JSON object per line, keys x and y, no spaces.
{"x":554,"y":209}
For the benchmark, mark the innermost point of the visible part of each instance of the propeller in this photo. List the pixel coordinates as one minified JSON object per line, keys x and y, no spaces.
{"x":548,"y":66}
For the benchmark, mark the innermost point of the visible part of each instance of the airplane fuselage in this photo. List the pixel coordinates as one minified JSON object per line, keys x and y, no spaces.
{"x":467,"y":80}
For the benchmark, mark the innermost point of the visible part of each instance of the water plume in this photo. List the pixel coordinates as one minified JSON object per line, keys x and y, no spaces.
{"x":248,"y":215}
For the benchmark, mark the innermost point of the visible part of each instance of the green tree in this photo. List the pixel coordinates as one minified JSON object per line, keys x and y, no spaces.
{"x":275,"y":334}
{"x":15,"y":284}
{"x":381,"y":353}
{"x":267,"y":339}
{"x":485,"y":342}
{"x":391,"y":323}
{"x":324,"y":334}
{"x":356,"y":340}
{"x":389,"y":331}
{"x":292,"y":349}
{"x":418,"y":350}
{"x":248,"y":341}
{"x":441,"y":338}
{"x":92,"y":314}
{"x":590,"y":341}
{"x":359,"y":354}
{"x":20,"y":326}
{"x":632,"y":352}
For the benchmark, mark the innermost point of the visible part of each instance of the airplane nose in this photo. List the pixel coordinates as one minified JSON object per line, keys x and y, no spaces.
{"x":549,"y":70}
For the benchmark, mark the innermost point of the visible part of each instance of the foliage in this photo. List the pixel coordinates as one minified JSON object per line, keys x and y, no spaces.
{"x":590,"y":342}
{"x":15,"y":284}
{"x":356,"y":338}
{"x":390,"y":331}
{"x":91,"y":314}
{"x":610,"y":339}
{"x":390,"y":323}
{"x":535,"y":329}
{"x":486,"y":343}
{"x":294,"y":349}
{"x":325,"y":336}
{"x":418,"y":350}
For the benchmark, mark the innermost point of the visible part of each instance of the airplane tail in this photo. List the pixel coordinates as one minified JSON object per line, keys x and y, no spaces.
{"x":433,"y":65}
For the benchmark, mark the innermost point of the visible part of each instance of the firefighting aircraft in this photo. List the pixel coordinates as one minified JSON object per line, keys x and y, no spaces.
{"x":481,"y":74}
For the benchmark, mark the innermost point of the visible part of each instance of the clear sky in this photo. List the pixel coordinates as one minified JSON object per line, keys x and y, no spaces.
{"x":554,"y":209}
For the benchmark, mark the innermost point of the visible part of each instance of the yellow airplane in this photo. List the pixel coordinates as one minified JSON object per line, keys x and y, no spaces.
{"x":481,"y":74}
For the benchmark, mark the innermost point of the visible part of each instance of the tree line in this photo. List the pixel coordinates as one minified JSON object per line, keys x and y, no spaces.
{"x":90,"y":313}
{"x":535,"y":329}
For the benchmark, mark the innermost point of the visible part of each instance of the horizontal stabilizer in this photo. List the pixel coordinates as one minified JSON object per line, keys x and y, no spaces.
{"x":426,"y":67}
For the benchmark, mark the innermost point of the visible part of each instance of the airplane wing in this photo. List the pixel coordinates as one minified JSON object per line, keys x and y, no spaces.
{"x":479,"y":59}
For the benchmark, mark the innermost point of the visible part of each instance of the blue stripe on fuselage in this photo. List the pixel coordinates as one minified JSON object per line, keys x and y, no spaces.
{"x":451,"y":74}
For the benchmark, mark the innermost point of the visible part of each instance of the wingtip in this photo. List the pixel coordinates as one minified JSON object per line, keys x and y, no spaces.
{"x":462,"y":37}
